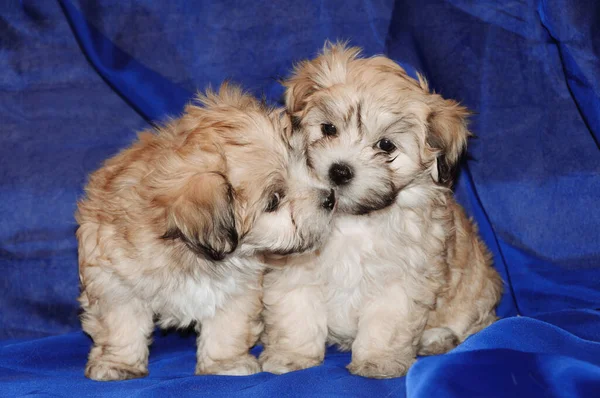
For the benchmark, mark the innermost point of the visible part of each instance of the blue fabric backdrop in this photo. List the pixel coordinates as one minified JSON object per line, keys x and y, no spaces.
{"x":79,"y":78}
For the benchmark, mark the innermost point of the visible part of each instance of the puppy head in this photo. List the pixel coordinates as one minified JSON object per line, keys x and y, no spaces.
{"x":370,"y":130}
{"x":233,"y":183}
{"x":203,"y":216}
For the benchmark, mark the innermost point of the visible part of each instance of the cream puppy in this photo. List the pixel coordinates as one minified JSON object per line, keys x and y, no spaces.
{"x":171,"y":230}
{"x":404,"y":271}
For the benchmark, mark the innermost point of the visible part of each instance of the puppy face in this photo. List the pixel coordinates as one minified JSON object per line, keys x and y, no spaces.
{"x":282,"y":208}
{"x":370,"y":130}
{"x":234,"y":183}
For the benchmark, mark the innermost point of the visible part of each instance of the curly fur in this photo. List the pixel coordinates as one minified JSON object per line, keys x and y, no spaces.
{"x":172,"y":228}
{"x":404,"y":271}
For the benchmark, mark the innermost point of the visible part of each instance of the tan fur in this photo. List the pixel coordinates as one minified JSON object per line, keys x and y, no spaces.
{"x":404,"y":271}
{"x":170,"y":230}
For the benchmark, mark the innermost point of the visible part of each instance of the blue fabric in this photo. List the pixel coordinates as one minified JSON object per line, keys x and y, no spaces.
{"x":554,"y":355}
{"x":80,"y":78}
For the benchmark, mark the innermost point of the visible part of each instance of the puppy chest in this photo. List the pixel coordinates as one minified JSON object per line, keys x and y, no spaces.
{"x":361,"y":259}
{"x":193,"y":299}
{"x":344,"y":283}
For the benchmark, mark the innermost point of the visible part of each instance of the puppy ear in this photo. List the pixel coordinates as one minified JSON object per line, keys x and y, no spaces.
{"x":329,"y":68}
{"x":203,"y":216}
{"x":447,"y":135}
{"x":290,"y":126}
{"x":299,"y":87}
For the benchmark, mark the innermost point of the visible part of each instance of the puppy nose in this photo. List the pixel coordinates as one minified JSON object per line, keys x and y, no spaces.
{"x":329,"y":202}
{"x":340,"y":173}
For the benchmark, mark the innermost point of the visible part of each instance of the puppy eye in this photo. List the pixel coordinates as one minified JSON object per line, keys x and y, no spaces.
{"x":328,"y":129}
{"x":386,"y":145}
{"x":273,"y":202}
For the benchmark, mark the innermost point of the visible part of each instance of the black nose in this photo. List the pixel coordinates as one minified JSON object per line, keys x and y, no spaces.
{"x":340,"y":173}
{"x":329,"y":202}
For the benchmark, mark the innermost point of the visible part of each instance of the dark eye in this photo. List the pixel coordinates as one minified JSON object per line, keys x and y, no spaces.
{"x":386,"y":145}
{"x":273,"y":202}
{"x":328,"y":129}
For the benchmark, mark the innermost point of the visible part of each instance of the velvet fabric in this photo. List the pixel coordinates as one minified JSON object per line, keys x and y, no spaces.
{"x":80,"y":78}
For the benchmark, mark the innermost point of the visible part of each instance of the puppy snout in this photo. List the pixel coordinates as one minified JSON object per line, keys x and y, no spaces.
{"x":340,"y":173}
{"x":329,"y":201}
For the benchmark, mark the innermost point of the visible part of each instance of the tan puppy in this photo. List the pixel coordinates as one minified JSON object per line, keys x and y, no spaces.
{"x":170,"y":228}
{"x":404,"y":271}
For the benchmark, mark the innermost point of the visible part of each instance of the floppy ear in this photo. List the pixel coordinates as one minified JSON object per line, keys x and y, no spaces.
{"x":203,"y":216}
{"x":289,"y":124}
{"x":299,"y":87}
{"x":448,"y":134}
{"x":329,"y":68}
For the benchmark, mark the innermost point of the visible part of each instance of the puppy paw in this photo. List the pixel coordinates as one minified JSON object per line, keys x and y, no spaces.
{"x":437,"y":341}
{"x":381,"y":368}
{"x":112,"y":371}
{"x":241,"y":366}
{"x":279,"y":363}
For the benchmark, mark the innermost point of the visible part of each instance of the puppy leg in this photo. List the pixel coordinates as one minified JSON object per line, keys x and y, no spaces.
{"x":225,"y":339}
{"x":454,"y":329}
{"x":470,"y":310}
{"x":473,"y":290}
{"x":295,"y":322}
{"x":436,"y":341}
{"x":389,"y":329}
{"x":121,"y":333}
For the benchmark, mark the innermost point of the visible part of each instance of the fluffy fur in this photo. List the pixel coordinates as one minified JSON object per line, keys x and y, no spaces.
{"x":171,"y":230}
{"x":404,"y":271}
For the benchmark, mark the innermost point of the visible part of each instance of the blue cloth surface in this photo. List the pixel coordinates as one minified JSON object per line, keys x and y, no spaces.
{"x":79,"y":78}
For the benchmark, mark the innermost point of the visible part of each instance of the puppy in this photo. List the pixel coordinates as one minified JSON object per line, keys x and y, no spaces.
{"x":171,"y":230}
{"x":404,"y":271}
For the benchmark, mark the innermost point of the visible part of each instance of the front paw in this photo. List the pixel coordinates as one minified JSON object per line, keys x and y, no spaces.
{"x":279,"y":362}
{"x":381,"y":367}
{"x":111,"y":371}
{"x":241,"y":366}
